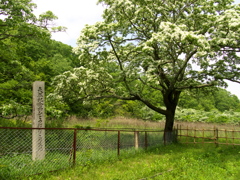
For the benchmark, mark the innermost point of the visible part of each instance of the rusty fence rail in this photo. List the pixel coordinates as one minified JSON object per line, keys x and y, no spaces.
{"x":215,"y":136}
{"x":66,"y":147}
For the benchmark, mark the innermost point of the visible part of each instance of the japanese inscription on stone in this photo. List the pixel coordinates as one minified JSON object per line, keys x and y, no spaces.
{"x":38,"y":135}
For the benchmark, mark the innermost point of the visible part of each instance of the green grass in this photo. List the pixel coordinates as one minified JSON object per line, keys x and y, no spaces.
{"x":20,"y":165}
{"x":167,"y":162}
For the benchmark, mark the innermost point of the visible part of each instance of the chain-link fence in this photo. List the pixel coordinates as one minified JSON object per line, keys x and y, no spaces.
{"x":65,"y":147}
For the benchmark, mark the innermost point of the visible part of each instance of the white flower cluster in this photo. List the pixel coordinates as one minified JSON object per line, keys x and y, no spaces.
{"x":227,"y":28}
{"x":179,"y":33}
{"x":231,"y":16}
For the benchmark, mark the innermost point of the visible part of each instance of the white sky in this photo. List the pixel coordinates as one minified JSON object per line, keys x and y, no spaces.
{"x":75,"y":14}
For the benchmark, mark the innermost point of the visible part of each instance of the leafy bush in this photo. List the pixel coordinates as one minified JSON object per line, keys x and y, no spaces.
{"x":213,"y":116}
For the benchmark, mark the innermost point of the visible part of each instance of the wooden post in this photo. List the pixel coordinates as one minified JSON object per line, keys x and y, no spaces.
{"x":226,"y":136}
{"x":38,"y":135}
{"x":176,"y":133}
{"x":233,"y":136}
{"x":180,"y":132}
{"x":216,"y":136}
{"x":203,"y":136}
{"x":195,"y":135}
{"x":136,"y":139}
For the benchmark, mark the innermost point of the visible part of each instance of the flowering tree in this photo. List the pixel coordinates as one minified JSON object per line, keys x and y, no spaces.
{"x":164,"y":46}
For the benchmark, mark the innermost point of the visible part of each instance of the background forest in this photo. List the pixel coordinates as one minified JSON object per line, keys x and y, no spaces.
{"x":28,"y":54}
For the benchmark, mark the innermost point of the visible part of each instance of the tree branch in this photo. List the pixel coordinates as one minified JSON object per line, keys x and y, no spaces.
{"x":4,"y":117}
{"x":114,"y":97}
{"x":181,"y":70}
{"x":236,"y":81}
{"x":195,"y":87}
{"x":120,"y":64}
{"x":151,"y":106}
{"x":133,"y":98}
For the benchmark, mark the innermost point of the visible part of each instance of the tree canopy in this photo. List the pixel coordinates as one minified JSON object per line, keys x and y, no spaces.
{"x":168,"y":46}
{"x":27,"y":54}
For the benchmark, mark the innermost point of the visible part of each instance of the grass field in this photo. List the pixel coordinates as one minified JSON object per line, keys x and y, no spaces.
{"x":167,"y":162}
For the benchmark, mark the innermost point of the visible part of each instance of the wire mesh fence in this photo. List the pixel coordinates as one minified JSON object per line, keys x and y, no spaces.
{"x":16,"y":152}
{"x":67,"y":147}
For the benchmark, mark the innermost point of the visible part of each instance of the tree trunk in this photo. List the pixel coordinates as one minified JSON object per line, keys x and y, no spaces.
{"x":171,"y":101}
{"x":169,"y":133}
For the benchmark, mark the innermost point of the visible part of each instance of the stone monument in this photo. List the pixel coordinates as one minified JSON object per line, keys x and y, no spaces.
{"x":38,"y":135}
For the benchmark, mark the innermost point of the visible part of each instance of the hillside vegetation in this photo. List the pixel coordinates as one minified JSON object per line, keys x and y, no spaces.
{"x":28,"y":54}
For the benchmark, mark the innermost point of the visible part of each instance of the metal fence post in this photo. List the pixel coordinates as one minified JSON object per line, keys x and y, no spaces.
{"x":146,"y":140}
{"x":119,"y":143}
{"x":74,"y":146}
